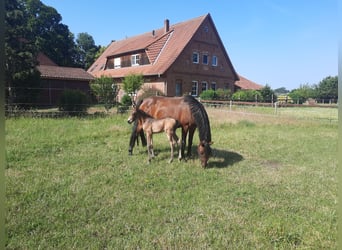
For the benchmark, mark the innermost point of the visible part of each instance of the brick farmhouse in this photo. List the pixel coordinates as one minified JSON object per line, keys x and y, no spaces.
{"x":185,"y":58}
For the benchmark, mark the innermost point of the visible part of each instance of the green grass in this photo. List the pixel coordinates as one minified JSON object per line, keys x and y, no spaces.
{"x":270,"y":184}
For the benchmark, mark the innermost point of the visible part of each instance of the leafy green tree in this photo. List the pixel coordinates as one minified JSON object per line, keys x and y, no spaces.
{"x":100,"y":51}
{"x":304,"y":92}
{"x":86,"y":49}
{"x":21,"y":76}
{"x":281,"y":90}
{"x":328,"y":88}
{"x":51,"y":37}
{"x":105,"y":90}
{"x":267,"y":94}
{"x":132,"y":83}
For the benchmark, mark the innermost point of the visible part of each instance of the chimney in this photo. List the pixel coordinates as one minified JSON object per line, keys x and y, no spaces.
{"x":166,"y":25}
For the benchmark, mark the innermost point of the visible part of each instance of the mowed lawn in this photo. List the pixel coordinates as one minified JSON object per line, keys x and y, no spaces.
{"x":271,"y":183}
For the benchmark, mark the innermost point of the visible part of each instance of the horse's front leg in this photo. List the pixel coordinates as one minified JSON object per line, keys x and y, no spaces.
{"x":183,"y":143}
{"x":191,"y":136}
{"x":149,"y":147}
{"x":152,"y":150}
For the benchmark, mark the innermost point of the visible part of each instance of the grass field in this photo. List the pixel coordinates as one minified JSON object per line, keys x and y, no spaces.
{"x":271,"y":184}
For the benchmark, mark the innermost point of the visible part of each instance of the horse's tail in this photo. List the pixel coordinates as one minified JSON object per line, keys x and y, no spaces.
{"x":201,"y":118}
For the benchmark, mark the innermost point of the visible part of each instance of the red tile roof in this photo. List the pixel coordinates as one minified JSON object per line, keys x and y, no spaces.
{"x":244,"y":83}
{"x":66,"y":73}
{"x":162,"y":48}
{"x":50,"y":70}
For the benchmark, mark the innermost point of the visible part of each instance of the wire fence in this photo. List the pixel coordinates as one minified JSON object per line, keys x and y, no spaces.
{"x":322,"y":112}
{"x":46,"y":106}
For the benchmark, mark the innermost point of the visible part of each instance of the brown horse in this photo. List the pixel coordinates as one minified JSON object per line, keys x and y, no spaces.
{"x":152,"y":126}
{"x":190,"y":114}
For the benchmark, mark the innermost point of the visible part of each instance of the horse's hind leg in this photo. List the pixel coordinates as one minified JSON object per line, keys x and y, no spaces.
{"x":170,"y":136}
{"x":149,"y":147}
{"x":177,"y":141}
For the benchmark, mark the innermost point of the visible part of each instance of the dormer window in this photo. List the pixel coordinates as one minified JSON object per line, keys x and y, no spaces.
{"x":117,"y":63}
{"x":135,"y":60}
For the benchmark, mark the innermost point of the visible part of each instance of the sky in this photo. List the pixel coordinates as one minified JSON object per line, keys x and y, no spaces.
{"x":274,"y":42}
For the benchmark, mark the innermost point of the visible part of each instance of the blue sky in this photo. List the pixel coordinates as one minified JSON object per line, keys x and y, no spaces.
{"x":275,"y":42}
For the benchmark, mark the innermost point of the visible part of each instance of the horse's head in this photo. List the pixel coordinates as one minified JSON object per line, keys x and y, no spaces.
{"x":204,"y":152}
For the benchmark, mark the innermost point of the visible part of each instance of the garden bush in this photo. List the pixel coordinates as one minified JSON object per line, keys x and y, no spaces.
{"x":209,"y":95}
{"x":74,"y":102}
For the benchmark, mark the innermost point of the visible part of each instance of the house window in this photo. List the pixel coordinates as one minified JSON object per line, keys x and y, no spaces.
{"x":117,"y":63}
{"x":195,"y":57}
{"x":135,"y":60}
{"x":204,"y":86}
{"x":178,"y":89}
{"x":110,"y":63}
{"x":214,"y":61}
{"x":213,"y":85}
{"x":205,"y":58}
{"x":194,"y":89}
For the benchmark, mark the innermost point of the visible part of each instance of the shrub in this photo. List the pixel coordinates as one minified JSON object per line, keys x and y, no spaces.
{"x":208,"y":95}
{"x":74,"y":102}
{"x":105,"y":91}
{"x":247,"y":96}
{"x":126,"y":100}
{"x":223,"y":94}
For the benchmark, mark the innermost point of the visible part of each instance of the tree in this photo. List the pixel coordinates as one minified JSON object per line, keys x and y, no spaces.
{"x":50,"y":36}
{"x":21,"y":76}
{"x":267,"y":94}
{"x":132,"y":83}
{"x":86,"y":49}
{"x":328,"y":88}
{"x":105,"y":91}
{"x":304,"y":92}
{"x":281,"y":90}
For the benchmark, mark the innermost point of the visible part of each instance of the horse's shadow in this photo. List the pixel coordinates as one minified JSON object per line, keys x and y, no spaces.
{"x":223,"y":158}
{"x":220,"y":158}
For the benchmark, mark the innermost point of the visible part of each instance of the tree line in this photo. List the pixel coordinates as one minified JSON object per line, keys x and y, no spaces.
{"x":326,"y":91}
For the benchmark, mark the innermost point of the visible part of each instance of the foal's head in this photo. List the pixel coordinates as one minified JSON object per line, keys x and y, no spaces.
{"x":133,"y":116}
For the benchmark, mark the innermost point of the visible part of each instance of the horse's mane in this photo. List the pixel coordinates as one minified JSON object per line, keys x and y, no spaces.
{"x":201,"y":118}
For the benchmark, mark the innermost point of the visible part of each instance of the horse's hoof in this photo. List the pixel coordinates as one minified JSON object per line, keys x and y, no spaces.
{"x":171,"y":160}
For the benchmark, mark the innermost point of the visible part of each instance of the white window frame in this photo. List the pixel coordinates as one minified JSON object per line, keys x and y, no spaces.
{"x":117,"y":62}
{"x":214,"y":60}
{"x":194,"y":85}
{"x":197,"y":57}
{"x":135,"y":60}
